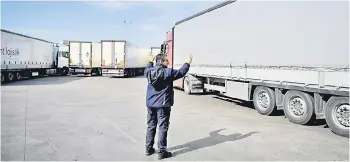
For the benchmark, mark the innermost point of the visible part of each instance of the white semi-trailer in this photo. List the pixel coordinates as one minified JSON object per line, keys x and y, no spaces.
{"x":155,"y":50}
{"x":122,"y":58}
{"x":85,"y":58}
{"x":282,"y":55}
{"x":23,"y":56}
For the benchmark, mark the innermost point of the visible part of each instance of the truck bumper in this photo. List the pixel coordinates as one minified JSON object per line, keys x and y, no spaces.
{"x":113,"y":72}
{"x":80,"y":70}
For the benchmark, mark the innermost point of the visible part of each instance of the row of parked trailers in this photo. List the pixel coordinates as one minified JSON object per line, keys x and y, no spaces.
{"x":24,"y":56}
{"x":107,"y":58}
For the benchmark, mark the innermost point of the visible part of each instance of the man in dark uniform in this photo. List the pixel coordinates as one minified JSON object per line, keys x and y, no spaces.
{"x":159,"y":99}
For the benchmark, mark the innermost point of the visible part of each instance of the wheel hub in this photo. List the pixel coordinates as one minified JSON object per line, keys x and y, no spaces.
{"x":263,"y":100}
{"x":297,"y":106}
{"x":18,"y":75}
{"x":342,"y":115}
{"x":10,"y":76}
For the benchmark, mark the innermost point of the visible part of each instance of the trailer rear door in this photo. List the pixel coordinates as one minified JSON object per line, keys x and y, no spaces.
{"x":119,"y":48}
{"x":74,"y":50}
{"x":107,"y":50}
{"x":86,"y":54}
{"x":96,"y":55}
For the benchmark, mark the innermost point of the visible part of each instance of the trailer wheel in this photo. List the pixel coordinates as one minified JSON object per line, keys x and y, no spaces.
{"x":10,"y":76}
{"x":187,"y":85}
{"x":18,"y":76}
{"x":65,"y":71}
{"x":2,"y":77}
{"x":99,"y":72}
{"x":264,"y":100}
{"x":298,"y":107}
{"x":337,"y":115}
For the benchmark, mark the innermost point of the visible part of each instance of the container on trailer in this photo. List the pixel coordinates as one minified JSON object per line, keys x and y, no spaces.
{"x":113,"y":52}
{"x":273,"y":53}
{"x":23,"y":52}
{"x":24,"y":56}
{"x":122,"y":58}
{"x":80,"y":54}
{"x":82,"y":58}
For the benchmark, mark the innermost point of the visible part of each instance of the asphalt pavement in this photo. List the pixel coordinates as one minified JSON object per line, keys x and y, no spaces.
{"x":77,"y":118}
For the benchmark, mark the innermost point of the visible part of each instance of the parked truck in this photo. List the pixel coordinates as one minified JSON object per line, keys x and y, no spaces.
{"x":23,"y":56}
{"x":85,"y":58}
{"x":155,"y":50}
{"x":122,"y":58}
{"x":282,"y":55}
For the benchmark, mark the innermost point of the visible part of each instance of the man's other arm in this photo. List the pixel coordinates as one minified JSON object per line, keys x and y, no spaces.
{"x":177,"y":74}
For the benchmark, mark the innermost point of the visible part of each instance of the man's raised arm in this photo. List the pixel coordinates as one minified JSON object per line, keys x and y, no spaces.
{"x":150,"y":64}
{"x":177,"y":74}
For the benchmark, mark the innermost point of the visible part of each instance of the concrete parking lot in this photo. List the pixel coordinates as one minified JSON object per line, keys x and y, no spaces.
{"x":100,"y":118}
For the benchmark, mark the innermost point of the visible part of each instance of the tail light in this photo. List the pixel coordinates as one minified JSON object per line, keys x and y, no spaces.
{"x":103,"y":63}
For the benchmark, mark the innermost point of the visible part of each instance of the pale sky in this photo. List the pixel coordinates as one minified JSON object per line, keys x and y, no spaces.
{"x":147,"y":21}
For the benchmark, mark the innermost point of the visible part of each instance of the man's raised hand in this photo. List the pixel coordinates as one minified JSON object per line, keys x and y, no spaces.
{"x":189,"y":59}
{"x":150,"y":57}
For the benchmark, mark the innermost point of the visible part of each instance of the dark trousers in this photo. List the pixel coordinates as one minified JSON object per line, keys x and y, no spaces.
{"x":159,"y":116}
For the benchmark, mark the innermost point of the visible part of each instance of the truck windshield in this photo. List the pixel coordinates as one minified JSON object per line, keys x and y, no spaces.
{"x":64,"y":54}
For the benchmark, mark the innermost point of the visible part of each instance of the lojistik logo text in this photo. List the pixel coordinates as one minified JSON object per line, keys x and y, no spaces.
{"x":9,"y":51}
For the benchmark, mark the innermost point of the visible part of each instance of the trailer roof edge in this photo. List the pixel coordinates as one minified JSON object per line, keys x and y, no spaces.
{"x":11,"y":32}
{"x":77,"y":41}
{"x":222,"y":4}
{"x":113,"y":40}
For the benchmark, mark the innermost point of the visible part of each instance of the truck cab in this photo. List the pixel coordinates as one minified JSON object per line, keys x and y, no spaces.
{"x":167,"y":49}
{"x":61,"y":63}
{"x":63,"y":56}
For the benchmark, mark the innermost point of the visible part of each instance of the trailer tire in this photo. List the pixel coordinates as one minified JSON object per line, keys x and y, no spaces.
{"x":18,"y":76}
{"x":187,"y":85}
{"x":3,"y":77}
{"x":264,"y":100}
{"x":298,"y":107}
{"x":65,"y":71}
{"x":338,"y":107}
{"x":99,"y":72}
{"x":10,"y":76}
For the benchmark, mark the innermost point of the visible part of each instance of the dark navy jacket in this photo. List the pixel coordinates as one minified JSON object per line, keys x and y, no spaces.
{"x":160,"y":79}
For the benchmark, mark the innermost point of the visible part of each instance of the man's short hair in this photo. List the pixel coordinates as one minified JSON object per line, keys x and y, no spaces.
{"x":161,"y":57}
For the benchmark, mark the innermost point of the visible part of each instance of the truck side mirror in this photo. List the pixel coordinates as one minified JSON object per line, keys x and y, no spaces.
{"x":162,"y":48}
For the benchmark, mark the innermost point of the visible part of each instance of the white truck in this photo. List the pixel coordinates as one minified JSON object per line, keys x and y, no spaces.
{"x":282,"y":55}
{"x":155,"y":51}
{"x":85,"y":58}
{"x":23,"y":56}
{"x":122,"y":58}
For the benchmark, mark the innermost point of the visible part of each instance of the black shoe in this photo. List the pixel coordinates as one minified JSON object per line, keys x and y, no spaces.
{"x":164,"y":154}
{"x":150,"y":151}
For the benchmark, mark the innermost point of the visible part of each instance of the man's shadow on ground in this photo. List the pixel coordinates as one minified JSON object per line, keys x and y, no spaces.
{"x":213,"y":139}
